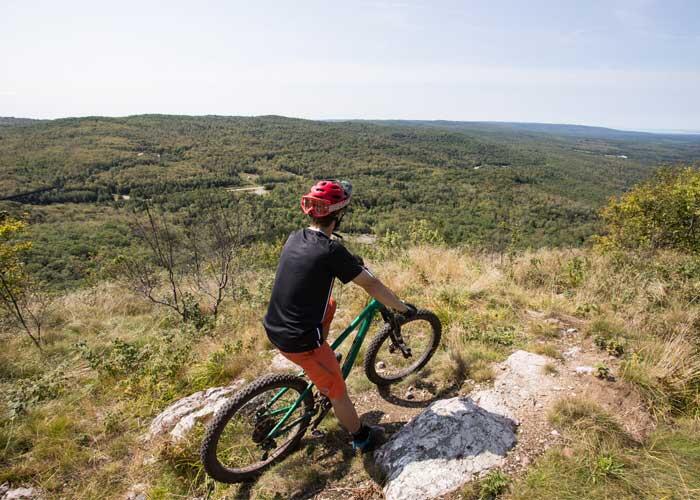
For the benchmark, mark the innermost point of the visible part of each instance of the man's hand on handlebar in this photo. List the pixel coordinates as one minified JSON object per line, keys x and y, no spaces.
{"x":410,"y":311}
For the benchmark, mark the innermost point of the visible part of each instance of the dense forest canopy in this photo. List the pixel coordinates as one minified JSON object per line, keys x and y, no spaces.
{"x":483,"y":184}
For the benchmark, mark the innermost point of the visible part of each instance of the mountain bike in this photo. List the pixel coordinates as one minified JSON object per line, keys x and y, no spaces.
{"x":265,"y":421}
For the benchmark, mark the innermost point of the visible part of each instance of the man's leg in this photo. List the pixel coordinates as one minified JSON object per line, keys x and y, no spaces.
{"x":345,"y":412}
{"x":322,"y":368}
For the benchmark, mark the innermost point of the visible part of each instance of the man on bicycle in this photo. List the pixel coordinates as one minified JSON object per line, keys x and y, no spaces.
{"x":301,"y":306}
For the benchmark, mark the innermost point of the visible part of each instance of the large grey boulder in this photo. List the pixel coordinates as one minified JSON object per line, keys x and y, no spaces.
{"x":443,"y":447}
{"x":178,"y":419}
{"x":454,"y":440}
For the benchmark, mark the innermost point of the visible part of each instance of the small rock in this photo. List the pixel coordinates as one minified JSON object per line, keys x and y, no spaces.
{"x":281,"y":364}
{"x":381,"y":365}
{"x":572,"y":353}
{"x":583,"y":370}
{"x":554,"y":432}
{"x":409,"y":393}
{"x":137,"y":492}
{"x":571,"y":331}
{"x":526,"y":461}
{"x":178,"y":419}
{"x":18,"y":493}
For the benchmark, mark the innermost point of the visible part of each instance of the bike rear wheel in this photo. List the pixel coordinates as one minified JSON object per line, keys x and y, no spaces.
{"x":236,"y":448}
{"x":386,"y":364}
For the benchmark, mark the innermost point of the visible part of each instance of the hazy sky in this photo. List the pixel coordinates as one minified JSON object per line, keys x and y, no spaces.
{"x":619,"y":63}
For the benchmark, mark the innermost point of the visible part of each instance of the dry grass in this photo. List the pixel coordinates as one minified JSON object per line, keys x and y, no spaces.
{"x":667,"y":373}
{"x":550,"y":369}
{"x":549,"y":350}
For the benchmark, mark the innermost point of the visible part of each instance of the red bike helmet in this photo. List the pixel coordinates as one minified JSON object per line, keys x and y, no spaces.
{"x":326,"y":197}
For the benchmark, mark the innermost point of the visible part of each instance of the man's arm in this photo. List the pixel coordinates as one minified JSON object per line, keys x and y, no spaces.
{"x":379,"y":291}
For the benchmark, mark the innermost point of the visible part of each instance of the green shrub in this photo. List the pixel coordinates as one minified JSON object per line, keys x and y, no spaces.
{"x":25,"y":393}
{"x":614,"y":347}
{"x":661,"y":213}
{"x":602,"y":371}
{"x":121,"y":358}
{"x":499,"y":335}
{"x":576,"y":269}
{"x":495,"y":483}
{"x":605,"y":466}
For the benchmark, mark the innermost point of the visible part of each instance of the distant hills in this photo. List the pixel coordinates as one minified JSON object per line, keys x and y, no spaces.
{"x":9,"y":121}
{"x":560,"y":129}
{"x":557,"y":129}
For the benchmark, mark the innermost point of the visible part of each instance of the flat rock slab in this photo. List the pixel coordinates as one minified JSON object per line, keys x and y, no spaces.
{"x":520,"y":385}
{"x":178,"y":419}
{"x":443,"y":447}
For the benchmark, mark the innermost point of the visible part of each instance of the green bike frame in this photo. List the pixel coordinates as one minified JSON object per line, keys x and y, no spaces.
{"x":363,"y":321}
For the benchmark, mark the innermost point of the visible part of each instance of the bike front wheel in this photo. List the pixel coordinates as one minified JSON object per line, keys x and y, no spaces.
{"x":385,"y":363}
{"x":237,"y":446}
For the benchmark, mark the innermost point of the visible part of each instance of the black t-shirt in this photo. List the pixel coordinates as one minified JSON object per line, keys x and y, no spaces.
{"x":309,"y":263}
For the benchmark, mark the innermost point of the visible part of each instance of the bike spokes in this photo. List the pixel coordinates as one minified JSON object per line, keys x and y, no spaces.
{"x":399,"y":353}
{"x":246,"y":442}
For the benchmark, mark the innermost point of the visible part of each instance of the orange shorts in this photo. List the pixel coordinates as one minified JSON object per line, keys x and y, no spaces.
{"x":322,"y":369}
{"x":320,"y":364}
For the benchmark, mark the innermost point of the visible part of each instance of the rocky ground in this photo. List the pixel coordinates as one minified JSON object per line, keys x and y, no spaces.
{"x":525,"y":388}
{"x":439,"y":441}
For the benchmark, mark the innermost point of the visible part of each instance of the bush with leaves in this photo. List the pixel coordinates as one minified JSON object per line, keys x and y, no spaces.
{"x":27,"y":392}
{"x":23,"y":301}
{"x":661,"y":213}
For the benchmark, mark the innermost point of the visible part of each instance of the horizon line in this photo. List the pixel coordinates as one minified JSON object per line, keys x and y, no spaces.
{"x":659,"y":131}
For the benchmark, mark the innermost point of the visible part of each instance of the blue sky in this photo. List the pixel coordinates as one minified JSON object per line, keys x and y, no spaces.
{"x":620,"y":63}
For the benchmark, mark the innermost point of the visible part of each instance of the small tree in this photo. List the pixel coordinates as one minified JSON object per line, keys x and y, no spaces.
{"x":661,"y":213}
{"x":197,"y":259}
{"x":22,"y":299}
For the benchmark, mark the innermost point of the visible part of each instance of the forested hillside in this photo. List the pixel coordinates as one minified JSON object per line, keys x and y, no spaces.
{"x":487,"y":185}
